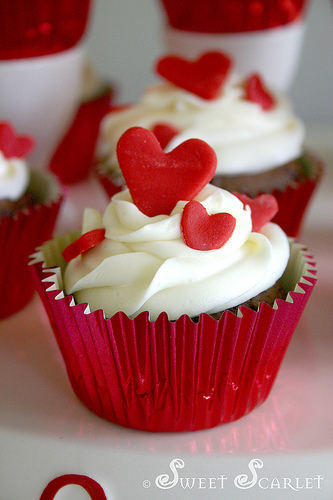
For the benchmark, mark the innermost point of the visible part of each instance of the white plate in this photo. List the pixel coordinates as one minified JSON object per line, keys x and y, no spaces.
{"x":285,"y":447}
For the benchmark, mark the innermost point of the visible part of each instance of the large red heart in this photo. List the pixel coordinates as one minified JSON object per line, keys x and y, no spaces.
{"x":13,"y":145}
{"x":158,"y":180}
{"x":263,"y":209}
{"x":203,"y":77}
{"x":205,"y":232}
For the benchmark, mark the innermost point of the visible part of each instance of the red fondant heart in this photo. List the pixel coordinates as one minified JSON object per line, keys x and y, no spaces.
{"x":205,"y":232}
{"x":84,"y":243}
{"x":158,"y":180}
{"x":164,"y":133}
{"x":263,"y":209}
{"x":256,"y":92}
{"x":203,"y":77}
{"x":13,"y":145}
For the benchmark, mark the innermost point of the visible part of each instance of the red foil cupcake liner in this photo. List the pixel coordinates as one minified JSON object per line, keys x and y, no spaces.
{"x":294,"y":201}
{"x":41,"y":27}
{"x":19,"y":236}
{"x":165,"y":376}
{"x":226,"y":16}
{"x":74,"y":157}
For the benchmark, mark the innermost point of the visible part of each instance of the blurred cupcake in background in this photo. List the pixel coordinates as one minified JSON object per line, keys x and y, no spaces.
{"x":261,"y":35}
{"x":29,"y":204}
{"x":258,"y":139}
{"x":41,"y":61}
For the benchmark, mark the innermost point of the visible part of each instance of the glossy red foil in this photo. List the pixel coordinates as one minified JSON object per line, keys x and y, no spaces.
{"x":19,"y":236}
{"x":165,"y":376}
{"x":41,"y":27}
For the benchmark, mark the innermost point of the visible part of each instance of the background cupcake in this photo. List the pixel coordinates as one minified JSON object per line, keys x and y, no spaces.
{"x":162,"y":369}
{"x":264,"y":36}
{"x":257,"y":137}
{"x":42,"y":52}
{"x":29,"y":206}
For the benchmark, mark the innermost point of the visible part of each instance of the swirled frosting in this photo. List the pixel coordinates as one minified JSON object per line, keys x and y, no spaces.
{"x":143,"y":263}
{"x":246,"y":138}
{"x":14,"y":178}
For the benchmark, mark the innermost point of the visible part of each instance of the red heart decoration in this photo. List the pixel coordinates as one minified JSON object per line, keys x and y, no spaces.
{"x":164,"y":133}
{"x":263,"y":209}
{"x":205,"y":232}
{"x":84,"y":243}
{"x":256,"y":92}
{"x":12,"y":145}
{"x":158,"y":180}
{"x":203,"y":77}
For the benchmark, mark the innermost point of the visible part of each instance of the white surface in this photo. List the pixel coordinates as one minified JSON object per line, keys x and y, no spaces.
{"x":39,"y":96}
{"x":273,"y":53}
{"x":46,"y":432}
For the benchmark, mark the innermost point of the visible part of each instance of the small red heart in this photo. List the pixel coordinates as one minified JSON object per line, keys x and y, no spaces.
{"x":203,"y":77}
{"x":84,"y":243}
{"x":164,"y":133}
{"x":255,"y":91}
{"x":13,"y":145}
{"x":263,"y":209}
{"x":158,"y":180}
{"x":205,"y":232}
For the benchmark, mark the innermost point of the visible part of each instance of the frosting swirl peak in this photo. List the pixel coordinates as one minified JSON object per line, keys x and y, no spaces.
{"x":246,"y":138}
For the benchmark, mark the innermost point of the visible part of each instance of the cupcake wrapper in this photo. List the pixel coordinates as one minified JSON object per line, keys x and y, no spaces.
{"x":224,"y":16}
{"x":73,"y":159}
{"x":293,"y":202}
{"x":172,"y":376}
{"x":19,"y":236}
{"x":45,"y":28}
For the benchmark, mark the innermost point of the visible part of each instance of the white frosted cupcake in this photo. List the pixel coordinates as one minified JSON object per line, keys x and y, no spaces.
{"x":157,"y":294}
{"x":264,"y":36}
{"x":29,"y":205}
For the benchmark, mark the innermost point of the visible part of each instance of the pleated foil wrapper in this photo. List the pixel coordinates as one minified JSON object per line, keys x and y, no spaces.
{"x":171,"y":376}
{"x":294,"y":200}
{"x":42,"y":27}
{"x":73,"y":160}
{"x":19,"y":236}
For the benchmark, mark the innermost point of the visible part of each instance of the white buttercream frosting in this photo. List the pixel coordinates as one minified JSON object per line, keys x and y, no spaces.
{"x":14,"y":178}
{"x":245,"y":138}
{"x":144,"y":265}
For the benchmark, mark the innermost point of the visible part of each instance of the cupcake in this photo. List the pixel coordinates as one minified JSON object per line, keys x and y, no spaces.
{"x":258,"y":139}
{"x":42,"y":51}
{"x":153,"y":304}
{"x":29,"y":205}
{"x":262,"y":36}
